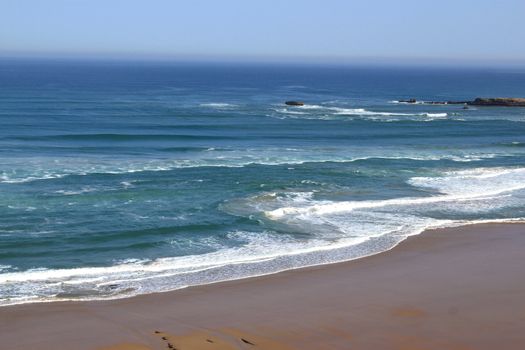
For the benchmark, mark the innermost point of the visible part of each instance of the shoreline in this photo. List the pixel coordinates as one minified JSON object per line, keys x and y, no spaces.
{"x":310,"y":307}
{"x":271,"y":273}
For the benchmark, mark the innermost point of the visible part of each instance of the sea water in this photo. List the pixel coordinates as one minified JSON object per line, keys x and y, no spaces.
{"x":124,"y":178}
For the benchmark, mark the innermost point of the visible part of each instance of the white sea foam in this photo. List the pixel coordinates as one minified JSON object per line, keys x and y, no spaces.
{"x":218,"y":105}
{"x":483,"y":184}
{"x":33,"y":169}
{"x":132,"y":278}
{"x":330,"y":112}
{"x":86,"y":189}
{"x":257,"y":247}
{"x":321,"y":231}
{"x":289,"y":111}
{"x":435,"y":115}
{"x":336,"y":231}
{"x":475,"y":182}
{"x":412,"y":103}
{"x":364,"y":112}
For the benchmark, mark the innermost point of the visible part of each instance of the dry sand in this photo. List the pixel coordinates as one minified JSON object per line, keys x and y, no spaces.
{"x":460,"y":289}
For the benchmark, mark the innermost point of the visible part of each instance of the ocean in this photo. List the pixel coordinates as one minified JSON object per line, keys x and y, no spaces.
{"x":126,"y":178}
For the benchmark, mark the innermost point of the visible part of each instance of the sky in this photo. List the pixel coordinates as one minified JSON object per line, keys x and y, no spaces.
{"x":273,"y":30}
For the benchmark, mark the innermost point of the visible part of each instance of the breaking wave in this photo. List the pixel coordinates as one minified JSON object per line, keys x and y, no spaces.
{"x":328,"y":112}
{"x":336,"y":231}
{"x":33,"y":169}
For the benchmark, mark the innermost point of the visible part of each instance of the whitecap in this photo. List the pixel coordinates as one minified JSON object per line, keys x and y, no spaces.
{"x":361,"y":112}
{"x":5,"y":267}
{"x":435,"y":115}
{"x":218,"y":105}
{"x":481,"y":184}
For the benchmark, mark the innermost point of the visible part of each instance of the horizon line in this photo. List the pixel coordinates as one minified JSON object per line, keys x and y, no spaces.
{"x":419,"y":61}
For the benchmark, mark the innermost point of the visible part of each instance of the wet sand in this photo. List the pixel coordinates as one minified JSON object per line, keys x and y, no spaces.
{"x":461,"y":288}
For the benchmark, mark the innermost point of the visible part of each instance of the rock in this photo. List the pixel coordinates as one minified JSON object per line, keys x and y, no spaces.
{"x":294,"y":103}
{"x":499,"y":101}
{"x":489,"y":101}
{"x":457,"y":102}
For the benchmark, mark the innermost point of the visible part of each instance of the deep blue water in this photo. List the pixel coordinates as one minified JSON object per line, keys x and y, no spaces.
{"x":124,"y":178}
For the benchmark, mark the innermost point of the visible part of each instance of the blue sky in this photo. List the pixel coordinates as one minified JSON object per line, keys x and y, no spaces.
{"x":266,"y":30}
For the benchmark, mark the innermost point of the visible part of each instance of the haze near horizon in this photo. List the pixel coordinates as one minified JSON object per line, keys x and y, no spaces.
{"x":334,"y":30}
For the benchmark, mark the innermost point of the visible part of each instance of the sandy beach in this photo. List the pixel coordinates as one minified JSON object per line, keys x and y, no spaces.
{"x":460,"y":288}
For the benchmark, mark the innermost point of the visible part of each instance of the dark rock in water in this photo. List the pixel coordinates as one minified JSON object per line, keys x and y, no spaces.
{"x":499,"y":101}
{"x":457,"y":102}
{"x":294,"y":103}
{"x":492,"y":101}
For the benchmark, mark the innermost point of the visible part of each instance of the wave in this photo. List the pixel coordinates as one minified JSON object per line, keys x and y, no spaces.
{"x":121,"y":137}
{"x":435,"y":115}
{"x":135,"y":277}
{"x":183,"y":149}
{"x":511,"y":144}
{"x":318,"y":232}
{"x":218,"y":105}
{"x":474,"y":182}
{"x":406,"y":103}
{"x":415,"y":103}
{"x":143,"y":276}
{"x":86,"y":189}
{"x":325,"y":112}
{"x":22,"y":170}
{"x":483,"y":184}
{"x":288,"y":111}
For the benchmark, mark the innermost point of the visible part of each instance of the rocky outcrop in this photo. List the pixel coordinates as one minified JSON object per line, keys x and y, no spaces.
{"x":489,"y":101}
{"x":499,"y":101}
{"x":294,"y":103}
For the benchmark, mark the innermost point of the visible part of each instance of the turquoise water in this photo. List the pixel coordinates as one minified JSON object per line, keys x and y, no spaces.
{"x":119,"y":179}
